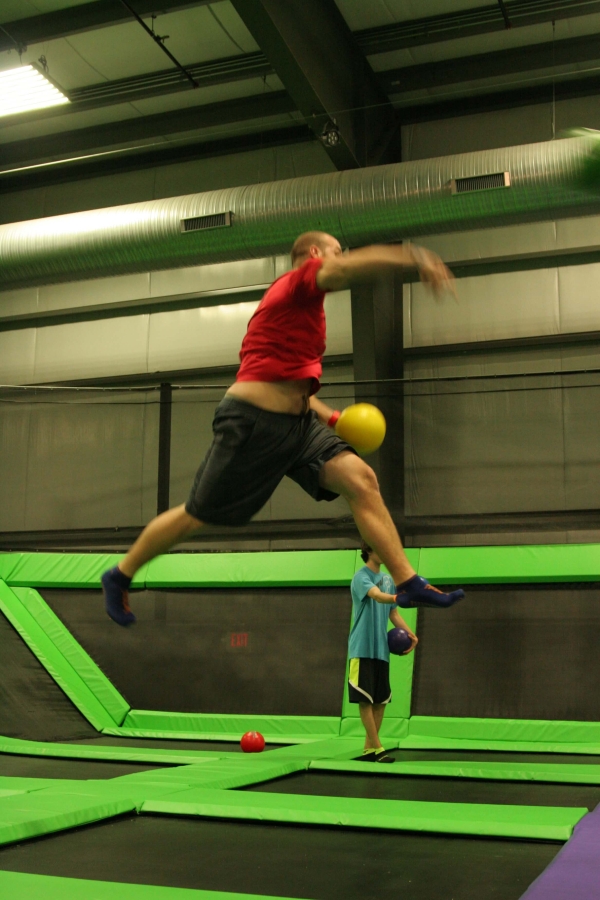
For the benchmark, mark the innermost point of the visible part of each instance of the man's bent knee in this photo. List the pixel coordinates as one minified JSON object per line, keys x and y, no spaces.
{"x":358,"y":481}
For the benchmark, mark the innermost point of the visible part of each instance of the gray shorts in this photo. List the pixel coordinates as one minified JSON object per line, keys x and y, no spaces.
{"x":252,"y":450}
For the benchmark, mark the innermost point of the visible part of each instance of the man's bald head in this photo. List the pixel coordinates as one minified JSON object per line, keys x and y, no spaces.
{"x":314,"y":244}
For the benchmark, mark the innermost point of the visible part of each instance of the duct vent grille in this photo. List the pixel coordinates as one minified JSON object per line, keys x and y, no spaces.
{"x":480,"y":183}
{"x":201,"y":223}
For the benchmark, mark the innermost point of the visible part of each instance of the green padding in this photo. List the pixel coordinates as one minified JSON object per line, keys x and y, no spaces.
{"x":542,"y":823}
{"x":52,"y":660}
{"x":201,"y":724}
{"x":391,"y":728}
{"x":334,"y":748}
{"x":8,"y":561}
{"x":26,"y":785}
{"x":219,"y":774}
{"x":116,"y":706}
{"x":422,"y":742}
{"x":413,"y":555}
{"x":482,"y":565}
{"x":233,"y":736}
{"x":505,"y":729}
{"x":555,"y":562}
{"x":19,"y":886}
{"x":29,"y":815}
{"x":121,"y":754}
{"x":489,"y":771}
{"x":73,"y":570}
{"x":321,"y":568}
{"x":401,"y":675}
{"x":90,"y":793}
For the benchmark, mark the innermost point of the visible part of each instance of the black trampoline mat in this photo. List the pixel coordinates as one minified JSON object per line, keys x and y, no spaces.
{"x":511,"y":652}
{"x":435,"y":790}
{"x":48,"y":767}
{"x":286,"y":860}
{"x":271,"y":651}
{"x":494,"y":756}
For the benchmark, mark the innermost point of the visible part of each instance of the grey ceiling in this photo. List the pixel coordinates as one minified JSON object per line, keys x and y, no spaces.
{"x":275,"y":71}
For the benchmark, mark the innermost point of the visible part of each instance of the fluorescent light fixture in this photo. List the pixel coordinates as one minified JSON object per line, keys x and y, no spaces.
{"x":26,"y":88}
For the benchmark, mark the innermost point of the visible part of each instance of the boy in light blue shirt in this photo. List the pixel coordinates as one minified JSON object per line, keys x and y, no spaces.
{"x":373,"y":603}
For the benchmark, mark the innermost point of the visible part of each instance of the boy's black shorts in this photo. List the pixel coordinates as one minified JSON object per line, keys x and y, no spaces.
{"x":369,"y":681}
{"x":252,"y":450}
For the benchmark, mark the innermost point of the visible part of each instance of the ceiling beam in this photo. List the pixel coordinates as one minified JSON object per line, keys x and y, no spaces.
{"x":489,"y":65}
{"x":255,"y":65}
{"x":114,"y":134}
{"x":399,"y":35}
{"x":313,"y":52}
{"x":502,"y":99}
{"x":85,"y":17}
{"x":98,"y":167}
{"x":469,"y":22}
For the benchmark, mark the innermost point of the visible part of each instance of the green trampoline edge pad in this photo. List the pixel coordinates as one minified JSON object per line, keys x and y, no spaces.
{"x":66,"y":570}
{"x":50,"y":657}
{"x":232,"y":737}
{"x":539,"y":823}
{"x":29,"y":815}
{"x":218,"y":726}
{"x":75,"y":655}
{"x":294,"y":568}
{"x":160,"y":756}
{"x":550,"y":773}
{"x":22,"y":886}
{"x":321,"y":568}
{"x":534,"y":563}
{"x":513,"y":730}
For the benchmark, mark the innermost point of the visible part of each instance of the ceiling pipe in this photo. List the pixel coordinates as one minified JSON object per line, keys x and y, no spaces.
{"x":381,"y":204}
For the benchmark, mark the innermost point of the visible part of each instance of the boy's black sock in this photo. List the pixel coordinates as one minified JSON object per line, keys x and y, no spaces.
{"x":368,"y":756}
{"x":382,"y":757}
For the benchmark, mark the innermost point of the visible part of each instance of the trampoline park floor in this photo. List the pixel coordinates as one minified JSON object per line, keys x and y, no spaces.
{"x":198,"y":826}
{"x":100,"y":801}
{"x":286,"y":860}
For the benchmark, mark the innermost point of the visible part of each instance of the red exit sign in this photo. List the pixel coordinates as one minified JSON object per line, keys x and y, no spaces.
{"x":239,"y":639}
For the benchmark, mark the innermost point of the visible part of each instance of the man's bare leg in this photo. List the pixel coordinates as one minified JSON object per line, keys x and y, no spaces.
{"x":350,"y":476}
{"x":159,"y":535}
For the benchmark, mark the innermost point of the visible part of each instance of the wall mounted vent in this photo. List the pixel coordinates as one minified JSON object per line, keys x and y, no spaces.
{"x":480,"y":183}
{"x":201,"y":223}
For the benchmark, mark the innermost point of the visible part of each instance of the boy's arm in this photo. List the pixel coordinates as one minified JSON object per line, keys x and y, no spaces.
{"x":382,"y":597}
{"x":398,"y":622}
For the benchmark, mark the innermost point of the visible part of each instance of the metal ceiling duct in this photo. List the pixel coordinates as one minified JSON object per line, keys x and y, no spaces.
{"x":380,"y":204}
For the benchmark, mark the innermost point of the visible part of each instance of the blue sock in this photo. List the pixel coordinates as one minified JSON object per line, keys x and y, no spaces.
{"x":121,"y":579}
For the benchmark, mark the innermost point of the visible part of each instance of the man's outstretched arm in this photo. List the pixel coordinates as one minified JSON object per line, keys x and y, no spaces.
{"x":341,"y":272}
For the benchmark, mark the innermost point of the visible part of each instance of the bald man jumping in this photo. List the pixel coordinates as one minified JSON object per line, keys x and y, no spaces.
{"x":270,"y":423}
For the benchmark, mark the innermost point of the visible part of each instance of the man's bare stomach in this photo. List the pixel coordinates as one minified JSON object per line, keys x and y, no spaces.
{"x":290,"y":397}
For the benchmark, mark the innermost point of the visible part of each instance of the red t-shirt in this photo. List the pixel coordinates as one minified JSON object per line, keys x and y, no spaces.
{"x":285,"y":340}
